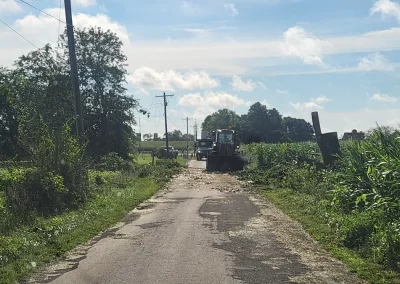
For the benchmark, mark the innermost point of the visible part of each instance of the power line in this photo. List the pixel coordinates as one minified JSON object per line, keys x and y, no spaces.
{"x":59,"y":23}
{"x":19,"y":34}
{"x":43,"y":12}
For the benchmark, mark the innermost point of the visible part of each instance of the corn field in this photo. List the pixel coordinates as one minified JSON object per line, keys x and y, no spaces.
{"x":361,"y":190}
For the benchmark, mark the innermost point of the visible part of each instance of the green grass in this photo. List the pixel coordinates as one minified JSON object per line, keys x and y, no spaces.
{"x":310,"y":212}
{"x":34,"y":245}
{"x":178,"y":145}
{"x":145,"y":159}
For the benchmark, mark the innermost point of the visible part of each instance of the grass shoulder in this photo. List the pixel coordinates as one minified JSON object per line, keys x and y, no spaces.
{"x":27,"y":248}
{"x":310,"y":212}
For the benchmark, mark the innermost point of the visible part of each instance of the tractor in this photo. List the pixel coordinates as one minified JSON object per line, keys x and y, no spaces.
{"x":225,"y":155}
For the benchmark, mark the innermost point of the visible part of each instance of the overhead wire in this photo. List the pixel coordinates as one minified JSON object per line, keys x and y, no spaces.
{"x":59,"y":24}
{"x":19,"y":34}
{"x":43,"y":12}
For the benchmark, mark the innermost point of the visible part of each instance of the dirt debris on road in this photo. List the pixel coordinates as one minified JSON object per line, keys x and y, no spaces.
{"x":204,"y":228}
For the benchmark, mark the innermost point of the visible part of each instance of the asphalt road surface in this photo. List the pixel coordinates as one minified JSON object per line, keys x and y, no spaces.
{"x":204,"y":228}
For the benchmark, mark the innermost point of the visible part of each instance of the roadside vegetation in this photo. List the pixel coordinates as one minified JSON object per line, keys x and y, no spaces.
{"x":352,"y":208}
{"x":178,"y":145}
{"x":56,"y":193}
{"x":146,"y":159}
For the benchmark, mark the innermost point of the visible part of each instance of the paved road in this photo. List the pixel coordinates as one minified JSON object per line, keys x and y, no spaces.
{"x":205,"y":228}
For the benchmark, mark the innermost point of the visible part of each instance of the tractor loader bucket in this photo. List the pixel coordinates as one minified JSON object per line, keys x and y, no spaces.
{"x":224,"y":163}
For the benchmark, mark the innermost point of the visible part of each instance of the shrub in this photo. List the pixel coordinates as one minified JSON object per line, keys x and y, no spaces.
{"x":58,"y":179}
{"x":113,"y":162}
{"x":36,"y":191}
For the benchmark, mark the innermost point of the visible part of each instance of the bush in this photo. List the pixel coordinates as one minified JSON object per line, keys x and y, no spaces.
{"x":113,"y":162}
{"x":58,"y":180}
{"x":36,"y":191}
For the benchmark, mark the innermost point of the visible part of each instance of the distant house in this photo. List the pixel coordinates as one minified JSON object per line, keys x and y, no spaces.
{"x":353,"y":135}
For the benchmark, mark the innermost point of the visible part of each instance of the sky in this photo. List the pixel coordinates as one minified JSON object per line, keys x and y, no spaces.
{"x":340,"y":58}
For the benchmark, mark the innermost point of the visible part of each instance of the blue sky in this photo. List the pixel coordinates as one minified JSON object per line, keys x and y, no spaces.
{"x":340,"y":57}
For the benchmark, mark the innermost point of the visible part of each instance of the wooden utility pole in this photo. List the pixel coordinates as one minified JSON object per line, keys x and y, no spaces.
{"x":195,"y":130}
{"x":165,"y":117}
{"x":74,"y":71}
{"x":187,"y":136}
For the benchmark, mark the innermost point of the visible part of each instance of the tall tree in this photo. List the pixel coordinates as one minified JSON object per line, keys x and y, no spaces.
{"x":107,"y":110}
{"x":223,"y":118}
{"x":43,"y":87}
{"x":298,"y":130}
{"x":262,"y":125}
{"x":9,"y":144}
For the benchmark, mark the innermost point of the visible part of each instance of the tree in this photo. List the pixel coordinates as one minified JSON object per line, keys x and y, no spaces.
{"x":221,"y":119}
{"x":189,"y":137}
{"x":42,"y":87}
{"x":298,"y":130}
{"x":107,"y":110}
{"x":9,"y":144}
{"x":262,"y":125}
{"x":148,"y":137}
{"x":175,"y":135}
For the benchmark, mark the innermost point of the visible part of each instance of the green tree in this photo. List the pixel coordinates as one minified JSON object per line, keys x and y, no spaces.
{"x":262,"y":125}
{"x":42,"y":87}
{"x":9,"y":144}
{"x":221,"y":119}
{"x":298,"y":130}
{"x":175,"y":135}
{"x":107,"y":110}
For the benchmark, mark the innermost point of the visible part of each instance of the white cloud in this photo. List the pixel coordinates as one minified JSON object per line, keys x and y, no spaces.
{"x":313,"y":105}
{"x":222,"y":99}
{"x":32,"y":26}
{"x":212,"y":99}
{"x":190,"y":8}
{"x":232,"y":9}
{"x":247,"y":86}
{"x":375,"y":62}
{"x":9,"y":7}
{"x":282,"y":92}
{"x":265,"y":102}
{"x":84,"y":3}
{"x":299,"y":43}
{"x":306,"y":106}
{"x":383,"y":98}
{"x":170,"y":80}
{"x":386,"y":8}
{"x":321,"y":100}
{"x":195,"y":99}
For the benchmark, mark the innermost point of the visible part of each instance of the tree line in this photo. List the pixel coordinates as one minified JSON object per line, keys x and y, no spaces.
{"x":261,"y":124}
{"x":175,"y":135}
{"x":37,"y":90}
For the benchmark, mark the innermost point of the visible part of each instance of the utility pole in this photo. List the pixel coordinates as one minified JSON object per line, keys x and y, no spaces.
{"x":195,"y":135}
{"x":74,"y":71}
{"x":187,"y":136}
{"x":165,"y":117}
{"x":195,"y":130}
{"x":140,"y":132}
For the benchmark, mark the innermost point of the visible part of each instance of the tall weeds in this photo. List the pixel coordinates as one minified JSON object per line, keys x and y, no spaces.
{"x":362,"y":190}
